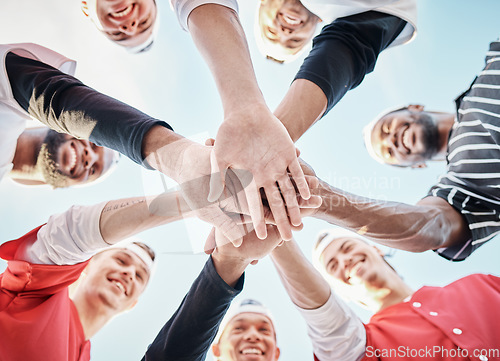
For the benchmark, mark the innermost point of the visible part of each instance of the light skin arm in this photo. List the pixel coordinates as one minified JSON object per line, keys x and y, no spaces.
{"x":303,"y":105}
{"x":430,"y":224}
{"x":125,"y":217}
{"x":251,"y":137}
{"x":305,"y":286}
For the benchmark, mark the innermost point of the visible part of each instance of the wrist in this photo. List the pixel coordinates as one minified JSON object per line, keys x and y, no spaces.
{"x":230,"y":269}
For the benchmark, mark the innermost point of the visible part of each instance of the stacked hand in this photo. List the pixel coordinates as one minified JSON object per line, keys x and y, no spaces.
{"x":260,"y":144}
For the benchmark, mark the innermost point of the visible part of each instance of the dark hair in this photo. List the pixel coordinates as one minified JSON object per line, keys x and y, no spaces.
{"x":148,"y":249}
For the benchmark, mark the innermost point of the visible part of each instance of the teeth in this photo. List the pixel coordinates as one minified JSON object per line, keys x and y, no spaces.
{"x":352,"y":274}
{"x":123,"y":12}
{"x":119,"y":285}
{"x":406,"y":139}
{"x":72,"y":162}
{"x":251,"y":351}
{"x":291,"y":20}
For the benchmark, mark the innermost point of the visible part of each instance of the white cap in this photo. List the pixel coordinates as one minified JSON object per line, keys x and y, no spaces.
{"x":140,"y":252}
{"x":368,"y":129}
{"x":331,"y":235}
{"x":247,"y":305}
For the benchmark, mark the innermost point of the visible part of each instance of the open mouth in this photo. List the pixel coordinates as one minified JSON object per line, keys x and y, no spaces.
{"x":352,"y":272}
{"x":119,"y":285}
{"x":406,"y":139}
{"x":72,"y":159}
{"x":251,"y":351}
{"x":290,"y":21}
{"x":123,"y":12}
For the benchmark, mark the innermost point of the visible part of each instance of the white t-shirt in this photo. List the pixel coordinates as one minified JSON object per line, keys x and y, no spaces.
{"x":69,"y":238}
{"x":327,"y":10}
{"x":336,"y":333}
{"x":13,"y":118}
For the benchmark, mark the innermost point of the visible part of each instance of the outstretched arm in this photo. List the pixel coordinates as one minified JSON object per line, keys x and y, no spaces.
{"x":344,"y":52}
{"x":251,"y":138}
{"x":191,"y":330}
{"x":335,"y":331}
{"x":430,"y":224}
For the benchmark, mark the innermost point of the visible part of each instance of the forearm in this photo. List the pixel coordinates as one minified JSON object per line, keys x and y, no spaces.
{"x":412,"y":228}
{"x":125,"y":217}
{"x":302,"y":106}
{"x":305,"y":286}
{"x":345,"y":51}
{"x":219,"y":36}
{"x":66,"y":105}
{"x":191,"y":330}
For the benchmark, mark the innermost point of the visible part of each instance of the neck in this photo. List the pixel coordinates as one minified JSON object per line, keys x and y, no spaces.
{"x":445,"y":122}
{"x":26,"y":155}
{"x":91,"y":317}
{"x":394,"y":292}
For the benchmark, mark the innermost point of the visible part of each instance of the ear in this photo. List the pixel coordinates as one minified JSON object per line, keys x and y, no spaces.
{"x":277,"y":354}
{"x":216,"y":350}
{"x":419,"y":165}
{"x":415,"y":107}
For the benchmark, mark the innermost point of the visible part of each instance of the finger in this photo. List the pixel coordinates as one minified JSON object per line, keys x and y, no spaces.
{"x":210,"y":142}
{"x":255,"y":209}
{"x":279,"y":212}
{"x":313,"y":202}
{"x":297,"y":151}
{"x":254,"y":262}
{"x":288,"y":193}
{"x":226,"y":227}
{"x":299,"y":178}
{"x":221,"y":239}
{"x":217,"y":178}
{"x":312,"y":181}
{"x":210,"y":242}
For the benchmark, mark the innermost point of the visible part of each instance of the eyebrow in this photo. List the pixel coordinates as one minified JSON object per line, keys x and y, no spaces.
{"x":132,"y":260}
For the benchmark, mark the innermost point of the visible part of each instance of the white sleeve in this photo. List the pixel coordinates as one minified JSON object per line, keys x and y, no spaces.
{"x":183,"y":8}
{"x":68,"y":238}
{"x":336,"y":333}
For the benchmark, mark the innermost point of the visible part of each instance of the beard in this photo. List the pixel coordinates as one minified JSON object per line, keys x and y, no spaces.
{"x":47,"y":160}
{"x":430,"y":134}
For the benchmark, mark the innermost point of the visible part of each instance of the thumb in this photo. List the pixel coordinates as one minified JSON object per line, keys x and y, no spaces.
{"x":210,"y":242}
{"x":217,"y":178}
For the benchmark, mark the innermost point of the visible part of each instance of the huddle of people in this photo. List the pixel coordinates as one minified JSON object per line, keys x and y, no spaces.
{"x":251,"y":185}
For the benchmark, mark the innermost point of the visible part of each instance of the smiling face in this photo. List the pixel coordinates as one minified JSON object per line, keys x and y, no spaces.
{"x":285,"y":27}
{"x":127,"y":22}
{"x":355,"y":263}
{"x":247,"y":337}
{"x":65,"y":161}
{"x":114,"y":280}
{"x":406,"y":137}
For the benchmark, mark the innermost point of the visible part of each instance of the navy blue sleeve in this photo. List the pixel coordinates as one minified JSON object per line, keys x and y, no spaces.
{"x":346,"y":50}
{"x":67,"y":105}
{"x":188,"y":334}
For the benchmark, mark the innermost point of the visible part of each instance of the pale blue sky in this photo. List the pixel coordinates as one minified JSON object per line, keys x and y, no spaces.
{"x":172,"y":83}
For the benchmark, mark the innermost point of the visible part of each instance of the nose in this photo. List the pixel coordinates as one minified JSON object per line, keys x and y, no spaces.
{"x":128,"y":272}
{"x":285,"y":30}
{"x":252,"y":334}
{"x":89,"y":157}
{"x":130,"y":27}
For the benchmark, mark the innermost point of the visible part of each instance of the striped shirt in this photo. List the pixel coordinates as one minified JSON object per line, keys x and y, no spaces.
{"x":472,"y":181}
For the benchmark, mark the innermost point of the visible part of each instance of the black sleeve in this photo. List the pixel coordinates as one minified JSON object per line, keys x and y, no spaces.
{"x":188,"y":334}
{"x":66,"y":105}
{"x":346,"y":50}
